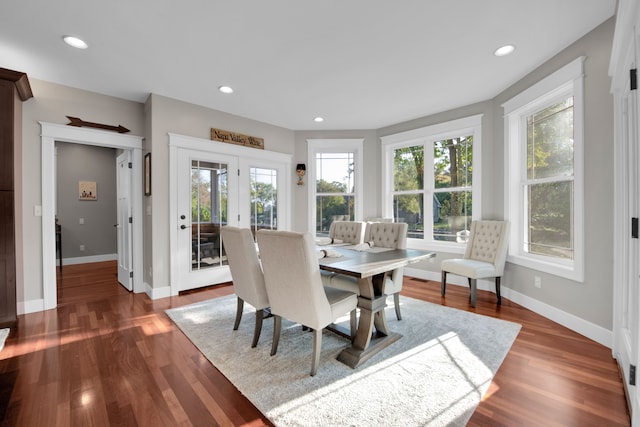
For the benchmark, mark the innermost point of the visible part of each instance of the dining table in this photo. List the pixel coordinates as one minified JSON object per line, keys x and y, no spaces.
{"x":370,"y":268}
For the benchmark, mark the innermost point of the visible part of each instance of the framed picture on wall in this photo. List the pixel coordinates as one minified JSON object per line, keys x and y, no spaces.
{"x":87,"y":190}
{"x":147,"y":174}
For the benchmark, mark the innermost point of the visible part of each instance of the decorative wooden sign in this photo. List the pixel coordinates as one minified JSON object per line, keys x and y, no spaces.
{"x":236,"y":138}
{"x":81,"y":123}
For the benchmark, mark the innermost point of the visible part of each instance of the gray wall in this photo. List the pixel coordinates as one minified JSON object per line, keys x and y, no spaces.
{"x":77,"y":162}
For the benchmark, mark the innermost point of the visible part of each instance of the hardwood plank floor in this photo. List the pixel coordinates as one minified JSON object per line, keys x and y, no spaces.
{"x":109,"y":357}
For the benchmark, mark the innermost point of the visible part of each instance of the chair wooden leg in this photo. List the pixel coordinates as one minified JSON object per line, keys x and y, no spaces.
{"x":317,"y":345}
{"x":239,"y":308}
{"x":472,"y":285}
{"x":498,"y":290}
{"x":258,"y":327}
{"x":277,"y":325}
{"x":396,"y":302}
{"x":444,"y":282}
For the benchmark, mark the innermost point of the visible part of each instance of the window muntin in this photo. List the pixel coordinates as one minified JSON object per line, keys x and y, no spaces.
{"x":436,"y":203}
{"x":341,"y":162}
{"x":549,"y":182}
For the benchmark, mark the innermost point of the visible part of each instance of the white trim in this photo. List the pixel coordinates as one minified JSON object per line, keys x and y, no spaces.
{"x":471,"y":125}
{"x":50,"y":133}
{"x":88,"y":259}
{"x":332,"y":145}
{"x":567,"y":81}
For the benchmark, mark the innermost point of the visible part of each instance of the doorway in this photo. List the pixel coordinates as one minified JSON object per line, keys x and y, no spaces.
{"x":129,"y":143}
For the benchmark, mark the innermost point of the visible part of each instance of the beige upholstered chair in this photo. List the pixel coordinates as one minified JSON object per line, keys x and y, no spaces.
{"x":380,"y":235}
{"x":292,"y":278}
{"x":484,"y":257}
{"x":246,"y":273}
{"x":351,"y":232}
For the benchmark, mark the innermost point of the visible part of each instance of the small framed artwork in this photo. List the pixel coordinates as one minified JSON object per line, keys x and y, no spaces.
{"x":147,"y":174}
{"x":87,"y":190}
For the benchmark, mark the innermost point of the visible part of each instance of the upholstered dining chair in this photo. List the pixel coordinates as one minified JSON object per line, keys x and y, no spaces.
{"x":292,"y":279}
{"x":246,"y":274}
{"x":351,"y":232}
{"x":379,"y":235}
{"x":484,"y":257}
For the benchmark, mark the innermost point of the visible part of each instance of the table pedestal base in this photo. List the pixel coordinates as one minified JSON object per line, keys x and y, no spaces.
{"x":353,"y":357}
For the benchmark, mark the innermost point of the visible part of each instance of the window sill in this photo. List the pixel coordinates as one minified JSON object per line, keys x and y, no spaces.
{"x":568,"y":271}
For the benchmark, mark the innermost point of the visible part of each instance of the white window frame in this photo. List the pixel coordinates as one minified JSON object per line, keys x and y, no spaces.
{"x":567,"y":81}
{"x":351,"y":145}
{"x":428,"y":135}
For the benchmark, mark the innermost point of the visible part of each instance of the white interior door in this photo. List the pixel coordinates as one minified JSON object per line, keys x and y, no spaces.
{"x":207,"y":199}
{"x":124,"y":225}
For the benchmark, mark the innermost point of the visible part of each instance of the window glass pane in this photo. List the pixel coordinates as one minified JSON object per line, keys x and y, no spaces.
{"x":335,"y":172}
{"x":408,"y":208}
{"x":452,"y":216}
{"x":263,"y":199}
{"x":208,"y":212}
{"x":453,"y":160}
{"x":550,"y":141}
{"x":408,"y":168}
{"x":332,"y":208}
{"x":550,"y":230}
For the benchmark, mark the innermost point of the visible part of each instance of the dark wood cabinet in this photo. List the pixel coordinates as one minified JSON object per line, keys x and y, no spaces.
{"x":14,"y":88}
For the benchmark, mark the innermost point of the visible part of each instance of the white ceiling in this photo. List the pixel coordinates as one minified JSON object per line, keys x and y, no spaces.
{"x":360,"y":64}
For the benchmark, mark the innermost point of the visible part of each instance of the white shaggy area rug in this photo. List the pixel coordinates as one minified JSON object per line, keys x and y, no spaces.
{"x":4,"y":333}
{"x":434,"y":375}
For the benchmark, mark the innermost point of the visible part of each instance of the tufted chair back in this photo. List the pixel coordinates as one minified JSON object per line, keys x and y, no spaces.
{"x":387,"y":235}
{"x":488,"y":243}
{"x":347,"y":231}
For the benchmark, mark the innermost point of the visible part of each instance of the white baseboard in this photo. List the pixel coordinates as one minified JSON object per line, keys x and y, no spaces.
{"x":590,"y":330}
{"x":32,"y":306}
{"x":156,"y":293}
{"x":88,"y":259}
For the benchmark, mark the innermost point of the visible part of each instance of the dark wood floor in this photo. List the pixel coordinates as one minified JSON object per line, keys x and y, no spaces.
{"x":109,"y":357}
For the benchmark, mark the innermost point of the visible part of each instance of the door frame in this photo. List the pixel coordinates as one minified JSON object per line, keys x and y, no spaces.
{"x":52,"y":132}
{"x":181,"y":142}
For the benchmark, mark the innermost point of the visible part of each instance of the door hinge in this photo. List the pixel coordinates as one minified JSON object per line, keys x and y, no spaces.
{"x":238,"y":217}
{"x":633,"y":78}
{"x":238,"y":172}
{"x":130,"y":220}
{"x":130,"y":165}
{"x":634,"y":228}
{"x":632,"y":374}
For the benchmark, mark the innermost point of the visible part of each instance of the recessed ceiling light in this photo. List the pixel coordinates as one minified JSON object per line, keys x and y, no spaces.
{"x":318,"y":120}
{"x":225,"y":89}
{"x":75,"y":42}
{"x":504,"y":50}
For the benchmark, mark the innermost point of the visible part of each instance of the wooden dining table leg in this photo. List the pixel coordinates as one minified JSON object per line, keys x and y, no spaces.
{"x":371,"y":303}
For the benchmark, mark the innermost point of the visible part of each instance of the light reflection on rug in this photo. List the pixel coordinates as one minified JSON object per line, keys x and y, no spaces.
{"x":434,"y":375}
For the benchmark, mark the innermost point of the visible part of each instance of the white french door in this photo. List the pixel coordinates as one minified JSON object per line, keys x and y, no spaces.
{"x":213,"y":185}
{"x":124,"y":225}
{"x":207,"y":200}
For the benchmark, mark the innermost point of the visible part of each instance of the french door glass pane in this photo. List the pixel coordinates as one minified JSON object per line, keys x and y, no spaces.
{"x":332,"y":208}
{"x":550,"y":228}
{"x":208,"y":213}
{"x":264,"y":199}
{"x":452,"y":216}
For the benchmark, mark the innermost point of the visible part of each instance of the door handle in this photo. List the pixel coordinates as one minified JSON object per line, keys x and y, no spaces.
{"x":183,"y":226}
